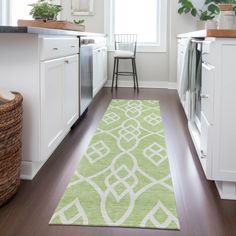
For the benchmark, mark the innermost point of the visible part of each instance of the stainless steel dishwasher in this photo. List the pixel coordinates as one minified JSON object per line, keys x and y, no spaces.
{"x":86,"y":73}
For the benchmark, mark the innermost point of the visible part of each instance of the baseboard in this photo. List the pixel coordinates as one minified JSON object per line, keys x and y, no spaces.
{"x":30,"y":169}
{"x":144,"y":84}
{"x":227,"y":190}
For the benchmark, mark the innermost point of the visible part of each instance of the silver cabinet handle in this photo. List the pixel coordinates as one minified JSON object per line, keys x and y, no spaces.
{"x":197,"y":41}
{"x":204,"y":96}
{"x":66,"y":61}
{"x":203,"y":155}
{"x":55,"y":49}
{"x":72,"y":46}
{"x":207,"y":66}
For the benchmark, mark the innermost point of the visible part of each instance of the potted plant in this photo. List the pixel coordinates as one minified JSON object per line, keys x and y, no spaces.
{"x":227,"y":13}
{"x":45,"y":10}
{"x":225,"y":5}
{"x":207,"y":13}
{"x":79,"y":21}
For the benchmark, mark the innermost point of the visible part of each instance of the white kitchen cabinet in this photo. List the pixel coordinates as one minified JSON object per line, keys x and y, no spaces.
{"x":104,"y":60}
{"x":44,"y":69}
{"x":59,"y":100}
{"x":219,"y":85}
{"x":71,"y":91}
{"x":96,"y":71}
{"x":217,"y":148}
{"x":181,"y":67}
{"x":99,"y":69}
{"x":51,"y":105}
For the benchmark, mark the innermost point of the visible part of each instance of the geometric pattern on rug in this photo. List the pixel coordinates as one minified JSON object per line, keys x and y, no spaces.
{"x":124,"y":177}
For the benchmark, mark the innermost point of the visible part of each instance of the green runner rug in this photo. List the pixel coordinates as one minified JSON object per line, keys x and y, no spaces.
{"x":124,"y":178}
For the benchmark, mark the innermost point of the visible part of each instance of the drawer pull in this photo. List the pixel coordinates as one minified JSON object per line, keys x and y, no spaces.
{"x":72,"y":46}
{"x":203,"y":155}
{"x":55,"y":49}
{"x":204,"y":96}
{"x":207,"y":66}
{"x":66,"y":61}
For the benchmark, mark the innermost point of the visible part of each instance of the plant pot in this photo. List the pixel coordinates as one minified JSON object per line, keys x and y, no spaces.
{"x":227,"y":20}
{"x":211,"y":24}
{"x":45,"y":18}
{"x":226,"y":7}
{"x":201,"y":25}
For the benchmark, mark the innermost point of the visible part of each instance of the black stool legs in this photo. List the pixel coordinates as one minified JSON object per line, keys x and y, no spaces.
{"x":116,"y":72}
{"x":135,"y":73}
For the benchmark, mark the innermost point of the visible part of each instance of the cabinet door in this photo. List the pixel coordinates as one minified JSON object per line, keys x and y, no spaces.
{"x":180,"y":60}
{"x":71,"y":91}
{"x":207,"y":96}
{"x":52,"y":73}
{"x":104,"y":61}
{"x":96,"y":71}
{"x":99,"y":69}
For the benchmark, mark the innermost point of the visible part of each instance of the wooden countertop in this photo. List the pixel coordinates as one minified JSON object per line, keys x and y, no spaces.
{"x":209,"y":33}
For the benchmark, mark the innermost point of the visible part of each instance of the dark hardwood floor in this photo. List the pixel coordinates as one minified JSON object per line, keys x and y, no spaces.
{"x":201,"y":211}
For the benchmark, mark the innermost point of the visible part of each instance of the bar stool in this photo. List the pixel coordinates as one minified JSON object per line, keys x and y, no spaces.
{"x":125,"y":49}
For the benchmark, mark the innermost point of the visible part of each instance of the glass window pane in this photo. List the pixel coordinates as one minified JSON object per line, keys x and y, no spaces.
{"x":20,"y":10}
{"x":136,"y":17}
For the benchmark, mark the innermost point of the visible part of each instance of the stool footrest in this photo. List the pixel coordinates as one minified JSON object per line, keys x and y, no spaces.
{"x":125,"y":73}
{"x":116,"y":73}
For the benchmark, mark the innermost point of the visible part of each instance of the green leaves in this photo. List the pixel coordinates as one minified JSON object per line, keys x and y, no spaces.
{"x":204,"y":16}
{"x":217,"y":2}
{"x":78,"y":21}
{"x":181,"y":10}
{"x":220,"y":1}
{"x":187,"y":7}
{"x":214,"y":9}
{"x":208,"y":12}
{"x":44,"y":9}
{"x":194,"y":12}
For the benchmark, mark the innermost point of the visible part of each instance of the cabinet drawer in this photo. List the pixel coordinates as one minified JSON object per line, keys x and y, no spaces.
{"x":51,"y":48}
{"x":207,"y":95}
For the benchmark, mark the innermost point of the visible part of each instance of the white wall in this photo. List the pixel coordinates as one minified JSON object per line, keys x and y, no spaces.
{"x":93,"y":23}
{"x":154,"y":67}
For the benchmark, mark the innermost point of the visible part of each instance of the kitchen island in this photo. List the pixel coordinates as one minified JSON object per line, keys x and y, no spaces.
{"x":209,"y":108}
{"x":43,"y":65}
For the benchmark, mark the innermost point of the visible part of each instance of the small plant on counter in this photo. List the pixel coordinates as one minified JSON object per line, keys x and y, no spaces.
{"x":79,"y":21}
{"x":208,"y":11}
{"x":44,"y":9}
{"x":231,"y":4}
{"x":223,"y":1}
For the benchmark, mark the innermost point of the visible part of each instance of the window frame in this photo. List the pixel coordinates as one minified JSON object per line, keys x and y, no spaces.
{"x":141,"y":47}
{"x":4,"y":10}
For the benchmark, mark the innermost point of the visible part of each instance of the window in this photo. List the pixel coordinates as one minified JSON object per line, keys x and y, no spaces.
{"x":146,"y":18}
{"x":12,"y":10}
{"x":19,"y":10}
{"x":3,"y":12}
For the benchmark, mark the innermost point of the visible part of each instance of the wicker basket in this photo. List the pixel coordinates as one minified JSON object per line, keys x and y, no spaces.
{"x":10,"y":147}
